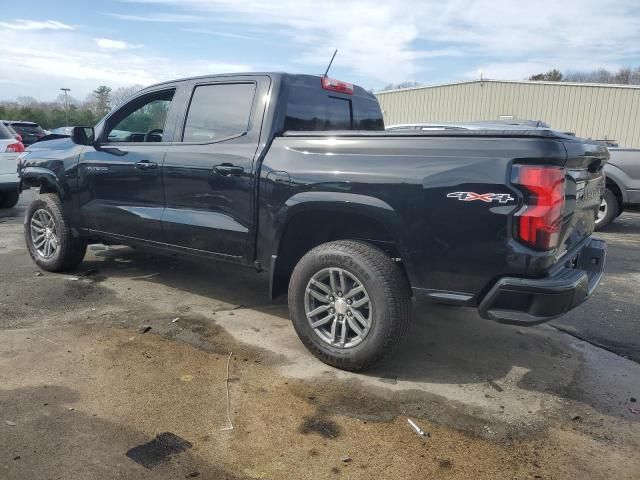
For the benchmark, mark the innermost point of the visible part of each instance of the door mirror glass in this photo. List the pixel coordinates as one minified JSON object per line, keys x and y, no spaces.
{"x":82,"y":135}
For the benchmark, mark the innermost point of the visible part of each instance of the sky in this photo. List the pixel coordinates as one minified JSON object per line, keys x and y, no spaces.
{"x":82,"y":44}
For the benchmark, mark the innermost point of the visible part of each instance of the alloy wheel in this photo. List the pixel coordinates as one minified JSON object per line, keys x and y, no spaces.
{"x":43,"y":234}
{"x":602,"y":211}
{"x":338,"y":307}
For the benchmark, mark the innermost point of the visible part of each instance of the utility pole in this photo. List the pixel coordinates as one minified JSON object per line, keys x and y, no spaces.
{"x":66,"y":105}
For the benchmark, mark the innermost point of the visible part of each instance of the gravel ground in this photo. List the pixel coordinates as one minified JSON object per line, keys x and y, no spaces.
{"x":86,"y":394}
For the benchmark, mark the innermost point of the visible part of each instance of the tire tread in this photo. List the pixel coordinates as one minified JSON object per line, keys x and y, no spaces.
{"x":396,"y":291}
{"x":73,"y":248}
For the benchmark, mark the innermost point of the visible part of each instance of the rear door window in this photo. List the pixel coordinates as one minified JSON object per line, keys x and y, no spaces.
{"x":218,"y":112}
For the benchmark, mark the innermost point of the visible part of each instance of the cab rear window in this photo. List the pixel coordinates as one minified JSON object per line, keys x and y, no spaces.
{"x":311,"y":108}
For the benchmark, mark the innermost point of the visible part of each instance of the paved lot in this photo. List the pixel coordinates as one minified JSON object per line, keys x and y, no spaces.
{"x":84,"y":394}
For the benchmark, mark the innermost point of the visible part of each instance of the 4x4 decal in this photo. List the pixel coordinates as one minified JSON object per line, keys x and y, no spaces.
{"x":483,"y":197}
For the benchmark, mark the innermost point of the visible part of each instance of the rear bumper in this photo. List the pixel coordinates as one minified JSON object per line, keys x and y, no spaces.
{"x":9,"y":181}
{"x":526,"y":301}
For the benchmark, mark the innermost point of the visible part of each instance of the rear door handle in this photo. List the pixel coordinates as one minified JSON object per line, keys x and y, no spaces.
{"x":146,"y":165}
{"x":227,"y":169}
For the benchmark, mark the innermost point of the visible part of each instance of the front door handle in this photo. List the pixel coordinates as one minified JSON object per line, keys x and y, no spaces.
{"x":227,"y":169}
{"x":146,"y":165}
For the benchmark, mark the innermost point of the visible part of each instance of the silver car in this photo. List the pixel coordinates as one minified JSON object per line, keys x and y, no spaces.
{"x":10,"y":148}
{"x":623,"y":185}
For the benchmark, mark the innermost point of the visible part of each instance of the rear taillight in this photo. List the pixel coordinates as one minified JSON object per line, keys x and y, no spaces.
{"x":539,"y":222}
{"x":337,"y":86}
{"x":15,"y":147}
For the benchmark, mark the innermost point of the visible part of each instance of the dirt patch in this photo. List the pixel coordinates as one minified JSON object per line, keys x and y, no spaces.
{"x":320,"y":425}
{"x":159,"y":450}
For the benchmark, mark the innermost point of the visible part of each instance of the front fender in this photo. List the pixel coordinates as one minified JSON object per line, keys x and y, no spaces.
{"x":41,"y":177}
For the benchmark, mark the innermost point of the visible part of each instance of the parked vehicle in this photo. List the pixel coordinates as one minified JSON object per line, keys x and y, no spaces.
{"x":10,"y":148}
{"x":623,"y":185}
{"x":295,"y":175}
{"x":477,"y":125}
{"x":29,"y":131}
{"x":15,"y":134}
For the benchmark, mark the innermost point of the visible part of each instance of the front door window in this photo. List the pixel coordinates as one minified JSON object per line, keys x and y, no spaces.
{"x":141,"y":121}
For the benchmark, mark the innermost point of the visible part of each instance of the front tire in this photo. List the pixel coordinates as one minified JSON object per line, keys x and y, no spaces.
{"x":349,"y":303}
{"x":48,"y":235}
{"x":609,"y":209}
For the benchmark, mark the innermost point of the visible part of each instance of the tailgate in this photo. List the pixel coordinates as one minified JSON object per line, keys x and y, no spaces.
{"x":584,"y":184}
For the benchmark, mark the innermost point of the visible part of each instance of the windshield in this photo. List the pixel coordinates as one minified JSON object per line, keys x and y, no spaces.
{"x":27,"y":127}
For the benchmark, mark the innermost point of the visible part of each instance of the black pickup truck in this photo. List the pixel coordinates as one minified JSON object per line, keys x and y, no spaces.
{"x":294,"y":175}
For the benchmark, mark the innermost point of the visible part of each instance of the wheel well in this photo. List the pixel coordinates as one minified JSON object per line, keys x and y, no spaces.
{"x":44,"y":184}
{"x":307,"y":230}
{"x":46,"y":187}
{"x":613,"y":186}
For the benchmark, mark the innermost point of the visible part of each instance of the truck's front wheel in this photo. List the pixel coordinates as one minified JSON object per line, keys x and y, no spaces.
{"x":48,"y":235}
{"x":349,"y":303}
{"x":608,"y":211}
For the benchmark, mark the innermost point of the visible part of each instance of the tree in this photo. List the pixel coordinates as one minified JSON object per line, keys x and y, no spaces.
{"x":26,"y":101}
{"x":102,"y":96}
{"x":624,"y":76}
{"x":397,"y":86}
{"x":551,"y":76}
{"x":120,"y":95}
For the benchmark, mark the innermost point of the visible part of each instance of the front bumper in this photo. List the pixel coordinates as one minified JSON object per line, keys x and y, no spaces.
{"x":527,"y":301}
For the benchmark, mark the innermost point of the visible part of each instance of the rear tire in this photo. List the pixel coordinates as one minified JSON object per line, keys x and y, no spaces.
{"x":45,"y":224}
{"x":9,"y":199}
{"x":609,"y":210}
{"x":374,"y":318}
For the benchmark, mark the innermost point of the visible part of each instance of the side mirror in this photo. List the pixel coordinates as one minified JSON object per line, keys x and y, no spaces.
{"x":82,"y":135}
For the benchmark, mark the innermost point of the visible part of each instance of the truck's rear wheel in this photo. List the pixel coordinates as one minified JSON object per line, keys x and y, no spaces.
{"x":349,"y":303}
{"x":608,"y":211}
{"x":48,"y":236}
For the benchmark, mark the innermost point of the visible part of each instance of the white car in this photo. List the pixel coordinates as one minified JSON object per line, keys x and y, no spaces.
{"x":10,"y":148}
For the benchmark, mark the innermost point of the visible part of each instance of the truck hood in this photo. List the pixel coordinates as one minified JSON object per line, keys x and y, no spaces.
{"x":56,"y":143}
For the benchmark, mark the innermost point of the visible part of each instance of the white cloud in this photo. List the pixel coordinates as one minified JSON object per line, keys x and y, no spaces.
{"x":42,"y":63}
{"x":394,"y":40}
{"x":35,"y":25}
{"x":215,"y":33}
{"x":157,"y":17}
{"x":109,"y":44}
{"x":378,"y":42}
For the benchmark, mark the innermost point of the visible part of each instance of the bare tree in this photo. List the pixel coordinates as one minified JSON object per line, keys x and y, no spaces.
{"x":120,"y":95}
{"x":27,"y":101}
{"x":624,"y":76}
